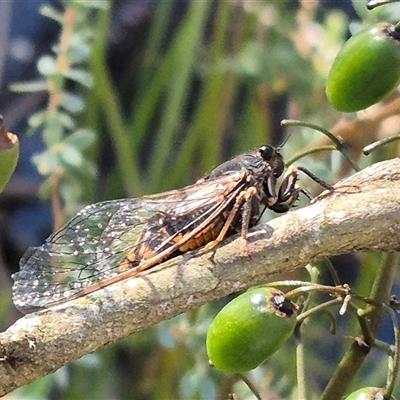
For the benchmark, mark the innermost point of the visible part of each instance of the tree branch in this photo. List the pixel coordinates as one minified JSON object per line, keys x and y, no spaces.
{"x":364,"y":215}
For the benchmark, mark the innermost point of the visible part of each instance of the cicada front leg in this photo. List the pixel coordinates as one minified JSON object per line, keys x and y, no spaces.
{"x":289,"y":190}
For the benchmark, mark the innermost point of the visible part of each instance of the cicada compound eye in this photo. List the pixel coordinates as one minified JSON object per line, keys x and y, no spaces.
{"x":267,"y":152}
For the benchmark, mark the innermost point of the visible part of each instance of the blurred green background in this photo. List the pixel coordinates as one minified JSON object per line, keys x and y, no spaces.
{"x":139,"y":97}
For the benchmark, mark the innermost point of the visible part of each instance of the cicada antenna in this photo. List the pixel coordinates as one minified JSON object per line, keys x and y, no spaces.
{"x":284,"y":140}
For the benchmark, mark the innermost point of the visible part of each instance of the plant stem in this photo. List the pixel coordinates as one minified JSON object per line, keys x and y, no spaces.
{"x":250,"y":385}
{"x":63,"y":63}
{"x":301,"y":369}
{"x":334,"y":290}
{"x":373,"y":146}
{"x":356,"y":354}
{"x":319,"y":308}
{"x":394,"y":360}
{"x":376,"y":3}
{"x":336,"y":141}
{"x":298,"y":156}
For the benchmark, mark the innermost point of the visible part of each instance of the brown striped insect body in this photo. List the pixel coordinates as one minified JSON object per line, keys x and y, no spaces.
{"x":114,"y":240}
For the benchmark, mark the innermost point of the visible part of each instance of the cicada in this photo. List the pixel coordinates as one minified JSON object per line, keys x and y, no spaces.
{"x":114,"y":240}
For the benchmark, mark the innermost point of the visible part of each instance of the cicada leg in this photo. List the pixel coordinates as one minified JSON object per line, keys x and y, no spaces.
{"x":243,"y":199}
{"x":289,"y":190}
{"x":315,"y":178}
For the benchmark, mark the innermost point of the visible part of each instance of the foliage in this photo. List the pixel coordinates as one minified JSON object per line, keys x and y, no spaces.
{"x":221,"y":83}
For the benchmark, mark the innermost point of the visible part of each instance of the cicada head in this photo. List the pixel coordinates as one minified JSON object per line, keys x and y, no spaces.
{"x":273,"y":157}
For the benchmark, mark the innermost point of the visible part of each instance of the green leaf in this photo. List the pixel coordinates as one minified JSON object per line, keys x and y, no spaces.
{"x":55,"y":126}
{"x":72,"y":102}
{"x":51,"y":13}
{"x":29,"y":87}
{"x":71,"y":156}
{"x":82,"y":139}
{"x":47,"y":66}
{"x":47,"y":162}
{"x":95,"y":4}
{"x":90,"y":168}
{"x":79,"y":50}
{"x":37,"y":119}
{"x":66,"y":120}
{"x":81,"y":76}
{"x":52,"y":134}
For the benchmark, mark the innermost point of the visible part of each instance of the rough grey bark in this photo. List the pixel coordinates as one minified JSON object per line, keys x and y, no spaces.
{"x":363,"y":215}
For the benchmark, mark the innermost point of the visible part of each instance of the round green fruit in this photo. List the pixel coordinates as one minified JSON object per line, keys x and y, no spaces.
{"x":9,"y":154}
{"x":366,"y":69}
{"x":250,"y":329}
{"x":367,"y":393}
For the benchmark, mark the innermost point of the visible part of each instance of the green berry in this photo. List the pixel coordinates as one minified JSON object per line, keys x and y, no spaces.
{"x":367,"y":393}
{"x":250,"y":329}
{"x":366,"y":69}
{"x":9,"y":154}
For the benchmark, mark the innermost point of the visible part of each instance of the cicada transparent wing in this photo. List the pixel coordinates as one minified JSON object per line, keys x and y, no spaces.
{"x":105,"y":239}
{"x":87,"y":249}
